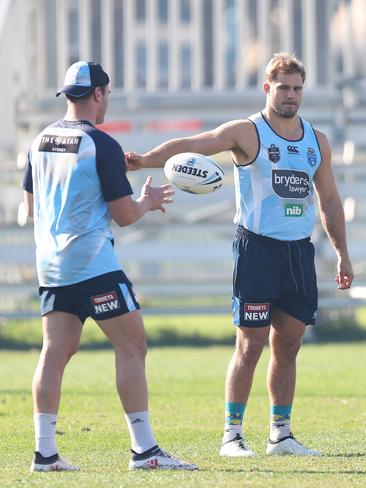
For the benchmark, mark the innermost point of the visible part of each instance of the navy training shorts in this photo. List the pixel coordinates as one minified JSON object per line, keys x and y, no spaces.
{"x":269,"y":273}
{"x":103,"y":297}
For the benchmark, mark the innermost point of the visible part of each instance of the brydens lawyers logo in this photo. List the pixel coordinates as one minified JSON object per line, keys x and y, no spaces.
{"x":256,"y":311}
{"x":105,"y":303}
{"x":289,"y":183}
{"x":274,"y":154}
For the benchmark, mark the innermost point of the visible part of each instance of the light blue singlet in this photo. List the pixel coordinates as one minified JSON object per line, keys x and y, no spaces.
{"x":275,"y":193}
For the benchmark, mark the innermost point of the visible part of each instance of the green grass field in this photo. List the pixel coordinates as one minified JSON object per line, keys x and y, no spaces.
{"x":186,"y":404}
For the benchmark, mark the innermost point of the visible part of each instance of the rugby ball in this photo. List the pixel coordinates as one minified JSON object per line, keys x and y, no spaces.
{"x":194,"y":173}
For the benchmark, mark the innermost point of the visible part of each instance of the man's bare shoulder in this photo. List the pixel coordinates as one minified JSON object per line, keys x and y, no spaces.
{"x":321,"y":136}
{"x":240,"y":125}
{"x":323,"y":142}
{"x":243,"y":133}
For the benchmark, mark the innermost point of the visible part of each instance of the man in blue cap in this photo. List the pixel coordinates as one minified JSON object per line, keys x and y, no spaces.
{"x":74,"y":185}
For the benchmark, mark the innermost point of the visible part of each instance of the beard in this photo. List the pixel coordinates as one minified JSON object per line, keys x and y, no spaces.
{"x":288,"y":111}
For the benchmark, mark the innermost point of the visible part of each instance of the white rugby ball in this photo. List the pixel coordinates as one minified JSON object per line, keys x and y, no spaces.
{"x":194,"y":173}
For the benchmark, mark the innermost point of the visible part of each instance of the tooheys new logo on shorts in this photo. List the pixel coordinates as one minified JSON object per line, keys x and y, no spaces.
{"x":256,"y":311}
{"x":105,"y":303}
{"x":288,"y":183}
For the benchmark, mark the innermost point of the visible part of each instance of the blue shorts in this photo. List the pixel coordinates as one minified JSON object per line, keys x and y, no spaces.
{"x":102,"y":297}
{"x":268,"y":274}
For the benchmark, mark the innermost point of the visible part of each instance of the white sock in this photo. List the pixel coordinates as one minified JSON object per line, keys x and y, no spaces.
{"x":45,"y":433}
{"x":279,"y":427}
{"x":142,"y":437}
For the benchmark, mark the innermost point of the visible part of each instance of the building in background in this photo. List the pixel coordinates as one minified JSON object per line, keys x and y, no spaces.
{"x":179,"y":65}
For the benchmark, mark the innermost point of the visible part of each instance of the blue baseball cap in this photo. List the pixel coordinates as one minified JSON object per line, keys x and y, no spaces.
{"x":82,"y":77}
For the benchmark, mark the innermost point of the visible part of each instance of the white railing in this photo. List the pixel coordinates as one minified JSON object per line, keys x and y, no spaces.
{"x":219,"y":45}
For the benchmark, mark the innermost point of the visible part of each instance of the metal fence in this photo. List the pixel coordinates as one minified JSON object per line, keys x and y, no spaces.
{"x":181,"y":261}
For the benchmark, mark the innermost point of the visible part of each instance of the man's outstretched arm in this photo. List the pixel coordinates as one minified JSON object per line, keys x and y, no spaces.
{"x":226,"y":137}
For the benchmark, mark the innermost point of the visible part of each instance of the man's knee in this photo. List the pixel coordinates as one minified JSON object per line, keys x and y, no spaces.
{"x":127,"y":334}
{"x":133,"y":347}
{"x":249,"y":346}
{"x":59,"y":354}
{"x":285,"y":347}
{"x":73,"y":350}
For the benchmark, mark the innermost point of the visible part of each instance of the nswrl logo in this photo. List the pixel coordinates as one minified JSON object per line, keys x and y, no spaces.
{"x":294,"y":209}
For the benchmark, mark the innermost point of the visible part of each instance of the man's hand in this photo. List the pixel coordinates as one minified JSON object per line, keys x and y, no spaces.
{"x":134,"y":161}
{"x":156,"y":196}
{"x":345,"y":274}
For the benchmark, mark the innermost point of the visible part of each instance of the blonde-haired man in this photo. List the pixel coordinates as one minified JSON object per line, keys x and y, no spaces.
{"x":283,"y":63}
{"x":281,"y":164}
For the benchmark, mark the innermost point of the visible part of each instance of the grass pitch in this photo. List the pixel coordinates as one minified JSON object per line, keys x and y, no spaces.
{"x":186,"y":404}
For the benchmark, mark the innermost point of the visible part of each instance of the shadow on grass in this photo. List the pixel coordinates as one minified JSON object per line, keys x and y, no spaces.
{"x":335,"y":332}
{"x":340,"y":325}
{"x":346,"y":455}
{"x":165,"y":338}
{"x":339,"y":332}
{"x":289,"y":472}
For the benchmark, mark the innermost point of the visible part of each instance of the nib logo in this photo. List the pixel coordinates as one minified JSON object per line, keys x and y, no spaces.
{"x":137,"y":421}
{"x":294,"y":210}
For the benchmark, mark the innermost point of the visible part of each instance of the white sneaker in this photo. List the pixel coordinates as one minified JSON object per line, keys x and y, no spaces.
{"x":289,"y":446}
{"x":51,"y":463}
{"x":156,"y":458}
{"x":236,"y":447}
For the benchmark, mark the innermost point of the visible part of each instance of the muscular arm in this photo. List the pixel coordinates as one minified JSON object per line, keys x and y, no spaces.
{"x":235,"y":135}
{"x":332,"y":214}
{"x":126,"y":210}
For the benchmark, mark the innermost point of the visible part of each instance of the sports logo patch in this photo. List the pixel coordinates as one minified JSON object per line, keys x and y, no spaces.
{"x":311,"y":155}
{"x":106,"y":302}
{"x":288,"y":183}
{"x":59,"y":144}
{"x":152,"y":463}
{"x":293,"y":150}
{"x":188,"y":169}
{"x":256,"y":311}
{"x":294,"y":210}
{"x":274,"y":154}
